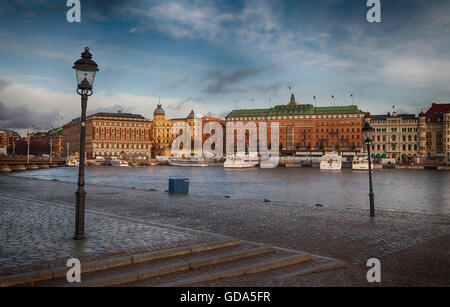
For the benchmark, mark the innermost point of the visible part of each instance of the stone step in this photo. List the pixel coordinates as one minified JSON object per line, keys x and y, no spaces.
{"x":280,"y":277}
{"x":220,"y":263}
{"x":57,"y":275}
{"x":153,"y":270}
{"x":242,"y":270}
{"x":238,"y":267}
{"x":331,"y":265}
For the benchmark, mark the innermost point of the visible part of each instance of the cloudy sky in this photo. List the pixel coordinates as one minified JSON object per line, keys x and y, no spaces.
{"x":218,"y":55}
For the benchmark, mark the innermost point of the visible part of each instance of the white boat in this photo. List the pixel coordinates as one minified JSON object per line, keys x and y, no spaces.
{"x":73,"y":163}
{"x":331,"y":161}
{"x":241,"y":162}
{"x":360,"y":163}
{"x":269,"y":162}
{"x":118,"y":162}
{"x":189,"y":162}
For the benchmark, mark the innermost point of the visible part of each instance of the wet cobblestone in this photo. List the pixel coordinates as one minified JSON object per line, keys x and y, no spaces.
{"x":36,"y":235}
{"x":347,"y":234}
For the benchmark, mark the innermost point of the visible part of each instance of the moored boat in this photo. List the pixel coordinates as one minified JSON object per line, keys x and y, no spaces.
{"x":331,"y":161}
{"x":117,"y":162}
{"x":241,"y":162}
{"x":73,"y":163}
{"x":189,"y":162}
{"x":360,"y":163}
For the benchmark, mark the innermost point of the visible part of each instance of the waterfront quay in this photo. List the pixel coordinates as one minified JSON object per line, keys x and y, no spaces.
{"x":37,"y":224}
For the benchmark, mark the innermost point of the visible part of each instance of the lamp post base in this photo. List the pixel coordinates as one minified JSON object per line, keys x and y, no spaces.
{"x":372,"y":205}
{"x":79,"y":213}
{"x":79,"y":236}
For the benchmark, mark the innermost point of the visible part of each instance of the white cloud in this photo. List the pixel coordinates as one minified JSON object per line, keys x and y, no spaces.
{"x":67,"y":105}
{"x":416,"y":71}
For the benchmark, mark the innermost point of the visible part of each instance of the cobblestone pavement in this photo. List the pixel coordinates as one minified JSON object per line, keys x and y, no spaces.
{"x":342,"y":233}
{"x":37,"y":235}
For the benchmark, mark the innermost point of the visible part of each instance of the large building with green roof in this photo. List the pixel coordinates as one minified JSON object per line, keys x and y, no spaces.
{"x":306,"y":127}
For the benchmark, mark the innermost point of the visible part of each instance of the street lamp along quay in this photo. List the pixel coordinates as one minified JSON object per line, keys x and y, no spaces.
{"x":85,"y":69}
{"x":367,"y":132}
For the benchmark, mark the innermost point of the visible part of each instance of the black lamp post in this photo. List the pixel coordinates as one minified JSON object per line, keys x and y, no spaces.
{"x":367,"y":132}
{"x":85,"y":70}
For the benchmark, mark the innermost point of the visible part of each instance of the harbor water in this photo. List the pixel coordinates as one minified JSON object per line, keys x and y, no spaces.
{"x":418,"y":191}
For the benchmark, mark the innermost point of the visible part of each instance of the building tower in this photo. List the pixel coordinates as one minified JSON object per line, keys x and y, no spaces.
{"x":161,"y":133}
{"x":446,"y":134}
{"x":423,"y":152}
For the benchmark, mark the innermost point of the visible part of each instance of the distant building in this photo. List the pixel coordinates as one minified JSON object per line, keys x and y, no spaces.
{"x":14,"y":139}
{"x":110,"y":134}
{"x":207,"y":135}
{"x":435,"y":131}
{"x":304,"y":127}
{"x":161,"y":133}
{"x":446,"y":128}
{"x":396,"y":136}
{"x":195,"y":131}
{"x":4,"y":142}
{"x":57,"y":138}
{"x":123,"y":134}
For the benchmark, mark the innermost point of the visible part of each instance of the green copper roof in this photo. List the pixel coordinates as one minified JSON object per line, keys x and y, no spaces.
{"x":295,"y":109}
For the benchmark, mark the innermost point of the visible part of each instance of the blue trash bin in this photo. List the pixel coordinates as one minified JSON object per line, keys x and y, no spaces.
{"x":178,"y":186}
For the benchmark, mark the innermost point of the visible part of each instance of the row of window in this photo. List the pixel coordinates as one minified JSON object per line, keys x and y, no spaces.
{"x":117,"y":131}
{"x":287,"y":117}
{"x":323,"y":144}
{"x":121,"y":138}
{"x":121,"y":124}
{"x":327,"y":123}
{"x":394,"y":147}
{"x":122,"y":146}
{"x":325,"y":136}
{"x":410,"y":138}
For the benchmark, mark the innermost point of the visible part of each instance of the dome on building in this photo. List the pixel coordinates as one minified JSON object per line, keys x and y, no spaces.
{"x":191,"y":115}
{"x":159,"y":111}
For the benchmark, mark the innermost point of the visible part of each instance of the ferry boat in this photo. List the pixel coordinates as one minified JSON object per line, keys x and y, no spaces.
{"x":360,"y":163}
{"x":73,"y":163}
{"x":118,"y":162}
{"x":189,"y":162}
{"x":331,"y":161}
{"x":269,"y":162}
{"x":241,"y":162}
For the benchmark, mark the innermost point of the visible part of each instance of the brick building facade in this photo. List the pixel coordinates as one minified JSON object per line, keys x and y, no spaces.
{"x":304,"y":127}
{"x":434,"y":131}
{"x":110,"y":134}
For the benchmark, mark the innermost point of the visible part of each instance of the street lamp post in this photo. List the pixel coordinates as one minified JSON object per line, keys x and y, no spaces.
{"x":86,"y":69}
{"x":367,"y":131}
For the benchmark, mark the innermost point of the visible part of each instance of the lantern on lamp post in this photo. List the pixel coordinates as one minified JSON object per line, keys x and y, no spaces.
{"x":85,"y":69}
{"x":367,"y":132}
